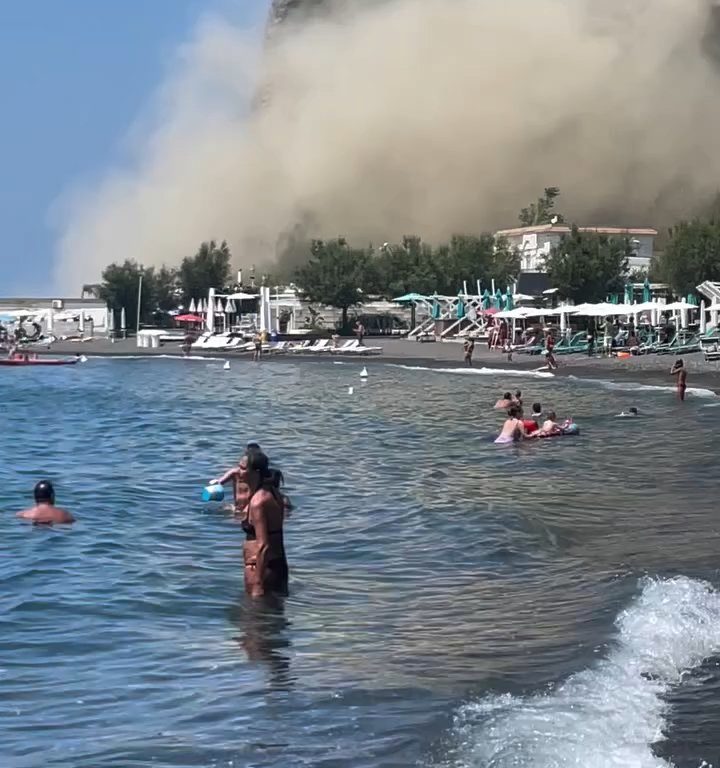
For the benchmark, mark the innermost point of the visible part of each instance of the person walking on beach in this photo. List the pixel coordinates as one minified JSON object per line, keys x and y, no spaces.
{"x":266,"y":568}
{"x":257,"y":341}
{"x":45,"y":512}
{"x":469,"y":347}
{"x":549,"y":347}
{"x":680,"y":372}
{"x":360,"y":333}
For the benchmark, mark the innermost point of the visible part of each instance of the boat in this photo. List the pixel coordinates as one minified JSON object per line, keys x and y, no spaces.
{"x":21,"y":361}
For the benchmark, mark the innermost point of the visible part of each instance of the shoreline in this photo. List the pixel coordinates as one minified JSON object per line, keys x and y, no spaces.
{"x":650,"y":369}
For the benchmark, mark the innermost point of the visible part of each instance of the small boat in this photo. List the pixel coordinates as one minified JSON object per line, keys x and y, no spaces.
{"x":18,"y":361}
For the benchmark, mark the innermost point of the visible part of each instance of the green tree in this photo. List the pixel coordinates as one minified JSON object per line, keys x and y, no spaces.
{"x":166,"y":289}
{"x":336,"y":276}
{"x":119,"y":289}
{"x":586,"y":266}
{"x":398,"y":269}
{"x":208,"y":268}
{"x":542,"y":211}
{"x":692,"y":255}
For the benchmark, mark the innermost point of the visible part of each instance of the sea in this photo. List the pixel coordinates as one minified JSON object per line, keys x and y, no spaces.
{"x":453,"y":603}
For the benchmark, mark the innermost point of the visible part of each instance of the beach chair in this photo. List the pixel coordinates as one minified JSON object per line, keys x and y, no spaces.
{"x":298,"y":348}
{"x":360,"y":350}
{"x":278,"y":348}
{"x":578,"y":343}
{"x":322,"y":345}
{"x":344,"y":347}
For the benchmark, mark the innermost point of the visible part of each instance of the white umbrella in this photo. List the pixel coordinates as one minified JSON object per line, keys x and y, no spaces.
{"x":219,"y":307}
{"x":111,"y":322}
{"x":243,"y":296}
{"x":678,"y":306}
{"x":703,"y":318}
{"x":563,"y":320}
{"x":192,"y":309}
{"x":518,"y":297}
{"x":123,"y":323}
{"x":81,"y":324}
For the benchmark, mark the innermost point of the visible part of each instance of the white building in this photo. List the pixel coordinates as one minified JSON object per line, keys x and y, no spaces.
{"x":535,"y":243}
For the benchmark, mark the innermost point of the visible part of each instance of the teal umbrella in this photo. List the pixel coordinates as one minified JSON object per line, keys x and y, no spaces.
{"x":460,"y":308}
{"x":436,"y":309}
{"x":615,"y":298}
{"x":509,"y":303}
{"x":498,"y":298}
{"x":486,"y":299}
{"x":628,"y":293}
{"x":691,"y":299}
{"x":647,"y":296}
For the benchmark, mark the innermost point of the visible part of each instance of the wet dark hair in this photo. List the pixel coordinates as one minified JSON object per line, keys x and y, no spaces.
{"x":507,"y":396}
{"x":252,"y":447}
{"x":513,"y":411}
{"x":679,"y":363}
{"x":518,"y":393}
{"x":552,"y":415}
{"x":277,"y":478}
{"x":633,"y":410}
{"x":44,"y":492}
{"x":537,"y":408}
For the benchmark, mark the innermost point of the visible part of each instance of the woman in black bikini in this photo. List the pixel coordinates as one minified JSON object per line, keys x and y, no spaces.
{"x":266,"y":568}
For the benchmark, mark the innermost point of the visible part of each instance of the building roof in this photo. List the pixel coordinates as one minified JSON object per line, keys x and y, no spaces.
{"x":562,"y":229}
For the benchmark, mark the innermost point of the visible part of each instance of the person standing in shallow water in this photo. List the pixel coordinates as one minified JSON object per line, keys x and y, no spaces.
{"x":680,"y":372}
{"x":469,"y":348}
{"x":266,"y":568}
{"x":45,"y":512}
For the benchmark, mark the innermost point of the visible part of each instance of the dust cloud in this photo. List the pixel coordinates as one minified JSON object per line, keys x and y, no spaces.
{"x":410,"y":116}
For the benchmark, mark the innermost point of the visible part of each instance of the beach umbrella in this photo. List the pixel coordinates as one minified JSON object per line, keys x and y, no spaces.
{"x":219,"y":307}
{"x":646,"y":291}
{"x":509,"y":301}
{"x":498,"y":298}
{"x":110,"y":322}
{"x":486,"y":299}
{"x":703,"y":318}
{"x":409,"y":298}
{"x":563,"y":321}
{"x":123,"y":323}
{"x":460,"y":310}
{"x":192,"y":309}
{"x":628,"y":293}
{"x":189,"y":318}
{"x":692,"y":299}
{"x":436,"y":313}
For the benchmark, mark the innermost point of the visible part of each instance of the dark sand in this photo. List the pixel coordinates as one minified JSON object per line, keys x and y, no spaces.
{"x":648,"y":369}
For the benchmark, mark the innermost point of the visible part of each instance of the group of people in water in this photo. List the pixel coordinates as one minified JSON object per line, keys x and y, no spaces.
{"x":258,"y":503}
{"x":539,"y":423}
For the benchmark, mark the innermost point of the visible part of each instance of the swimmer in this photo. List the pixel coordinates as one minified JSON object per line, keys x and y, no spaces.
{"x":631,"y":413}
{"x":45,"y":512}
{"x":513,"y":429}
{"x":504,"y":403}
{"x":517,"y":400}
{"x":680,"y":372}
{"x":266,"y":568}
{"x":550,"y":426}
{"x":238,"y":477}
{"x":533,"y":423}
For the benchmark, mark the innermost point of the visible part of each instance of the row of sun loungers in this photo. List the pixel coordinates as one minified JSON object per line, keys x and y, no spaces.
{"x":223,"y":343}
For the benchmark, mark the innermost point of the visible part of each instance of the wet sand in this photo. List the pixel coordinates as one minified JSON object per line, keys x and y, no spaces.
{"x":647,"y":369}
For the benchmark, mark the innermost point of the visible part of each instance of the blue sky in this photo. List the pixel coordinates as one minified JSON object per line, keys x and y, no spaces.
{"x":74,"y":74}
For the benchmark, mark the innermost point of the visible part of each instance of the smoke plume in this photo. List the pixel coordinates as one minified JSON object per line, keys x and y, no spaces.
{"x":411,"y":116}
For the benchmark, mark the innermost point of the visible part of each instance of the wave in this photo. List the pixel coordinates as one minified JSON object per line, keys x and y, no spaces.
{"x":476,"y":371}
{"x":635,"y":387}
{"x":607,"y":715}
{"x":156,"y":357}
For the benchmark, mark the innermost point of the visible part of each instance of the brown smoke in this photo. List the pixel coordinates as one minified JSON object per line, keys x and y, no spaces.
{"x":424,"y":116}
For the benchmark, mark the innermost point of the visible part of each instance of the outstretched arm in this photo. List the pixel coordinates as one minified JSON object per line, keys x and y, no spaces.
{"x":226,"y":478}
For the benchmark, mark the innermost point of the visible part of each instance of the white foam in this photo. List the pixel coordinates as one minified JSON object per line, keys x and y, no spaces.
{"x":618,"y":385}
{"x":155,"y":357}
{"x":477,"y":371}
{"x":611,"y":714}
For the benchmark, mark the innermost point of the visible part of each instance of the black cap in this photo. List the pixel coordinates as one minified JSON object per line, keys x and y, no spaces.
{"x":44,"y":492}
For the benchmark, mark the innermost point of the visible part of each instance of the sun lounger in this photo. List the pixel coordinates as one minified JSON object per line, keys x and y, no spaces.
{"x":343,"y":347}
{"x":322,"y":345}
{"x":355,"y":348}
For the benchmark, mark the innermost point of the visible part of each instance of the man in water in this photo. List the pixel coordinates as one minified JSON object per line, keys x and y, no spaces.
{"x":504,"y":403}
{"x":680,"y":372}
{"x":45,"y":512}
{"x":469,"y":347}
{"x":549,"y":356}
{"x":517,"y":400}
{"x":631,"y":413}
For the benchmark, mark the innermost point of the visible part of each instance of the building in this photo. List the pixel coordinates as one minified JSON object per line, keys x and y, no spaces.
{"x":59,"y":314}
{"x":535,"y":243}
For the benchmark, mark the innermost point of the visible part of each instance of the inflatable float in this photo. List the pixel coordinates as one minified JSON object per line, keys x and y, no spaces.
{"x":19,"y":361}
{"x":567,"y":429}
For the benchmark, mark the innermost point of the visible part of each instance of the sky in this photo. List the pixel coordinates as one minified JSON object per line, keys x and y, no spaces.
{"x":74,"y":77}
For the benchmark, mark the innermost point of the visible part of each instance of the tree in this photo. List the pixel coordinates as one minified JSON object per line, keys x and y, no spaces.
{"x":404,"y":268}
{"x":586,"y":266}
{"x":542,"y":211}
{"x":208,"y":268}
{"x":335,"y":275}
{"x":119,"y":289}
{"x":692,"y":255}
{"x":166,"y":289}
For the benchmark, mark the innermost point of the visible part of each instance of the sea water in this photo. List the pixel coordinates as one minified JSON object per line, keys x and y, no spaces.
{"x":453,"y":603}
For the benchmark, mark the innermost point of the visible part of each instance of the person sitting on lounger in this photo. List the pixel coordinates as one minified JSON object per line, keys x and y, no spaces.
{"x":504,"y":403}
{"x":513,"y":429}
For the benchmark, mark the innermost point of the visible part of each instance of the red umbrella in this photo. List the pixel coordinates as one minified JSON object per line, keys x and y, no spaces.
{"x":490,"y":311}
{"x":188,"y":319}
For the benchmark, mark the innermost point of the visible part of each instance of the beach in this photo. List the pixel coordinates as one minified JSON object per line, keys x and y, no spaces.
{"x":645,"y":369}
